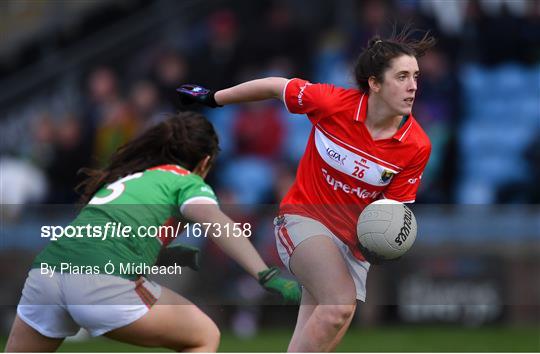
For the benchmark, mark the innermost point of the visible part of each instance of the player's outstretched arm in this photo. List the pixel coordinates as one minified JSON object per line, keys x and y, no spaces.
{"x":255,"y":90}
{"x":238,"y":248}
{"x":242,"y":251}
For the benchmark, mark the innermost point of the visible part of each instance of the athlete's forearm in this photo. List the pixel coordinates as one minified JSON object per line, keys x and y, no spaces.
{"x":242,"y":251}
{"x":238,"y":248}
{"x":256,"y":90}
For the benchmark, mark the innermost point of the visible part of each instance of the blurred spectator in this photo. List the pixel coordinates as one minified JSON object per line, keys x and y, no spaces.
{"x":147,"y":103}
{"x":60,"y":148}
{"x":258,"y":130}
{"x":70,"y":153}
{"x":487,"y":38}
{"x":449,"y":14}
{"x":217,"y":63}
{"x":111,"y":118}
{"x":437,"y":113}
{"x":43,"y":130}
{"x":104,"y":93}
{"x":331,"y":63}
{"x":20,"y":183}
{"x":279,"y":36}
{"x":169,"y":70}
{"x":119,"y":125}
{"x":297,"y":129}
{"x":285,"y":175}
{"x":223,"y":121}
{"x":372,"y":17}
{"x":250,"y":179}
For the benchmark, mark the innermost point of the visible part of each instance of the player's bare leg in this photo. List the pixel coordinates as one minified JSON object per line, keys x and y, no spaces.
{"x":341,"y":333}
{"x":307,"y":306}
{"x":173,"y":323}
{"x":24,"y":338}
{"x":333,"y":290}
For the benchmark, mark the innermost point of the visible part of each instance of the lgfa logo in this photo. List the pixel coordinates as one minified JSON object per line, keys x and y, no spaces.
{"x":336,"y":156}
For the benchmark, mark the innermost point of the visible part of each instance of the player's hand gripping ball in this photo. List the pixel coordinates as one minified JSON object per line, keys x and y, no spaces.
{"x":386,"y":230}
{"x":197,"y":94}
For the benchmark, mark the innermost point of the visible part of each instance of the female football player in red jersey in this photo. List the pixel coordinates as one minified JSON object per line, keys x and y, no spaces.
{"x":364,"y":145}
{"x":162,"y":174}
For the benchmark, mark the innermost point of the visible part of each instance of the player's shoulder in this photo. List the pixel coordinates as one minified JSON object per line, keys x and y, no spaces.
{"x":172,"y":174}
{"x":327,"y":90}
{"x":347,"y":93}
{"x":418,"y":136}
{"x":170,"y":170}
{"x":178,"y":179}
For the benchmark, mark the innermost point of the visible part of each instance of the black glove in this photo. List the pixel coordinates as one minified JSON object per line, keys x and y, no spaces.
{"x":182,"y":255}
{"x":197,"y":94}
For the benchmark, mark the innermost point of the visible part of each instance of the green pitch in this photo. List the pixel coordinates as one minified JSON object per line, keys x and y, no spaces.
{"x":383,"y":339}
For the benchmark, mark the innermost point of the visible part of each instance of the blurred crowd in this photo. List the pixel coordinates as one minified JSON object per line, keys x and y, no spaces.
{"x":118,"y":97}
{"x":80,"y":121}
{"x":114,"y":96}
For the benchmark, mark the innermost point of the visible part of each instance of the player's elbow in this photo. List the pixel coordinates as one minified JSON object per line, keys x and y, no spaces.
{"x":275,"y":86}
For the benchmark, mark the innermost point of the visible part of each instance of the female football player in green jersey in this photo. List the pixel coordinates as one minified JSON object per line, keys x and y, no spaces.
{"x":93,"y":282}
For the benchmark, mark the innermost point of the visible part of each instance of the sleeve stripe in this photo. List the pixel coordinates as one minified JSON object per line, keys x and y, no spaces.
{"x":195,"y":200}
{"x":283,"y":95}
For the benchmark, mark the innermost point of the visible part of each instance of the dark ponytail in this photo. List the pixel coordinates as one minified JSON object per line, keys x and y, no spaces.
{"x":376,"y":58}
{"x":184,"y":139}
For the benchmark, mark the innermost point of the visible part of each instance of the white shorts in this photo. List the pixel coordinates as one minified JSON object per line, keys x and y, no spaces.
{"x":58,"y":306}
{"x":291,"y":230}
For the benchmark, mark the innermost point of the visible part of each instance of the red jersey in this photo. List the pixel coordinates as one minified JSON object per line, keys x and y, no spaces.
{"x":343,"y":169}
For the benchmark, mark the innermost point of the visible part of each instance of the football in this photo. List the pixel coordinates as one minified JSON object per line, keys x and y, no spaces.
{"x":386,"y":229}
